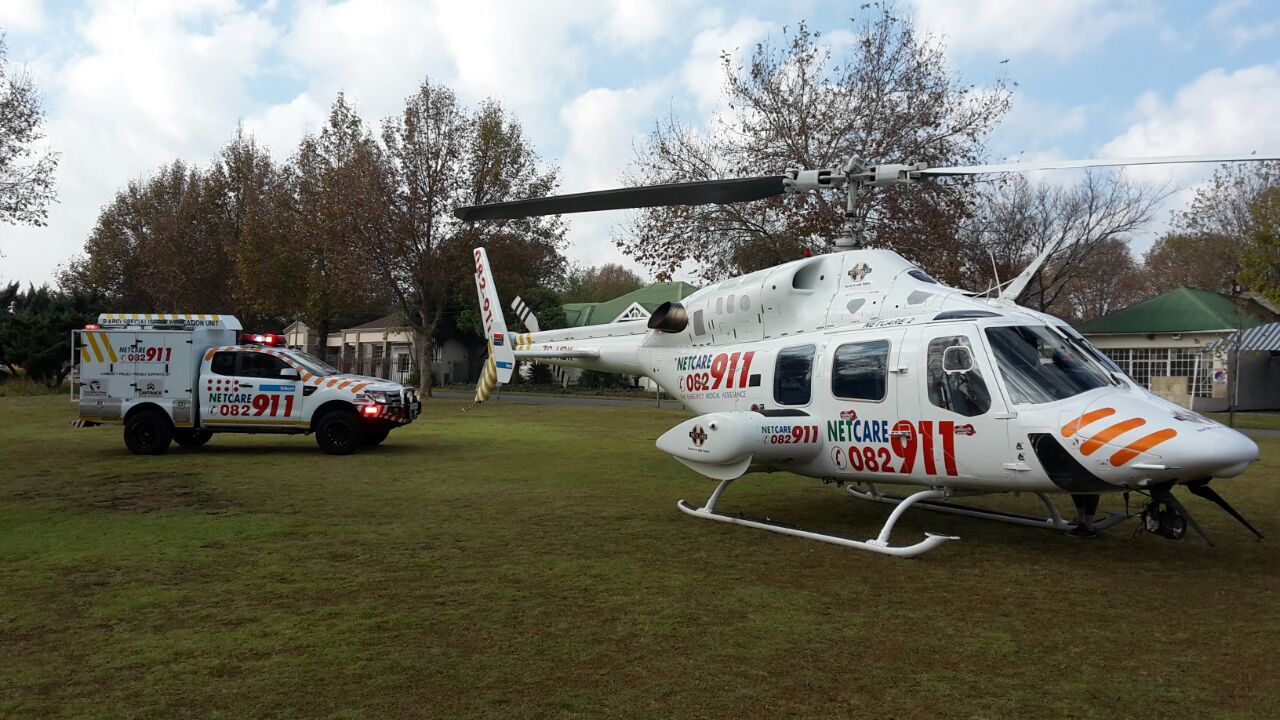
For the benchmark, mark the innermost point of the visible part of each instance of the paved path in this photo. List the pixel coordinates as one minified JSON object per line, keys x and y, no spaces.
{"x":667,"y":403}
{"x":1260,"y":432}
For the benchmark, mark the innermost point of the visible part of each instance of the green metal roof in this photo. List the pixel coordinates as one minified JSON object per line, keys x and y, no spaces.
{"x":1182,"y":310}
{"x":648,"y":297}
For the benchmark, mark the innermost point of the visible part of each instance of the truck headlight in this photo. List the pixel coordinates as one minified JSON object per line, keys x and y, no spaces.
{"x":377,"y":396}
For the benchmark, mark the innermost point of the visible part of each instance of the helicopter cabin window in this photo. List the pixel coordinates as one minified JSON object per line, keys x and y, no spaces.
{"x":1038,"y":365}
{"x":955,"y":383}
{"x":858,"y":371}
{"x":793,"y":375}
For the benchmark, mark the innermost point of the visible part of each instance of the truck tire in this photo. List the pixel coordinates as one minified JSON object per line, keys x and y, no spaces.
{"x":187,"y":437}
{"x":375,"y":435}
{"x":148,"y":432}
{"x":339,"y":432}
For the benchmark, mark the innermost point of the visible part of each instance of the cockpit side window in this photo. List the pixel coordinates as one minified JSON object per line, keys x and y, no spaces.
{"x":962,"y":391}
{"x":1038,"y":366}
{"x":793,"y":375}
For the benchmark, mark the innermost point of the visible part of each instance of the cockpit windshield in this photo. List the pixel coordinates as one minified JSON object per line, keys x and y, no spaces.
{"x":1038,"y":366}
{"x":313,"y":364}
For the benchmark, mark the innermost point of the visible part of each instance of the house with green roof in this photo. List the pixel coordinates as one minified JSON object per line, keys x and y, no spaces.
{"x":635,"y":305}
{"x":1172,"y":343}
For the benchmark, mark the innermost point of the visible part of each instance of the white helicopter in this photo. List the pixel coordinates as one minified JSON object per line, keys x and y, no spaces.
{"x":858,"y":367}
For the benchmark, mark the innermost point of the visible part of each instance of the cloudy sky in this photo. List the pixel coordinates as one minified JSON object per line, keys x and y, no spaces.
{"x":132,"y":84}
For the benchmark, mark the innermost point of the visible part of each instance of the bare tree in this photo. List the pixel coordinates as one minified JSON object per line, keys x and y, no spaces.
{"x":26,"y":169}
{"x":1089,"y":223}
{"x":892,"y":98}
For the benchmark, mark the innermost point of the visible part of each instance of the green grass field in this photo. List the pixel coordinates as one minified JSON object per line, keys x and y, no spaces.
{"x":523,"y":561}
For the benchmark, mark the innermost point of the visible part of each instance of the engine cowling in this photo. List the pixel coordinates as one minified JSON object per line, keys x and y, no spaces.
{"x":724,"y":445}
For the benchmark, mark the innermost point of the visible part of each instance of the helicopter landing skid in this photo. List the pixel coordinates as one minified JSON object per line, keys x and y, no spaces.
{"x":1053,"y":520}
{"x":880,"y":544}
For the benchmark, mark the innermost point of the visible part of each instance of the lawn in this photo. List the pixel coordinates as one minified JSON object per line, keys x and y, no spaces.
{"x":526,"y":561}
{"x":1254,"y":420}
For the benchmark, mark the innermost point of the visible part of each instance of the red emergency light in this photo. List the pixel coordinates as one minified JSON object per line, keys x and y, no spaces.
{"x":93,"y":326}
{"x":371,"y":410}
{"x":272,"y":339}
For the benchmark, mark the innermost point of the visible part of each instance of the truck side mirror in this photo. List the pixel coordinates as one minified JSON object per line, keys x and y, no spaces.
{"x":289,"y":373}
{"x":957,"y":359}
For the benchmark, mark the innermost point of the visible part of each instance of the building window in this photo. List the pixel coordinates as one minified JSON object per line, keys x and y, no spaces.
{"x":1142,"y":364}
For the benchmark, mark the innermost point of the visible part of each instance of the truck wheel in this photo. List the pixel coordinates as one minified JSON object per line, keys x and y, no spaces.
{"x":375,"y":435}
{"x":148,"y":433}
{"x":187,"y":437}
{"x":339,"y":432}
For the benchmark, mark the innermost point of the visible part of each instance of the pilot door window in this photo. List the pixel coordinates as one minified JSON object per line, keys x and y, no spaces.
{"x":955,"y":383}
{"x":859,"y":371}
{"x":793,"y":375}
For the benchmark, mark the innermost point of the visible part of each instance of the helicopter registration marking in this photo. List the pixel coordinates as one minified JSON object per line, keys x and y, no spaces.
{"x":893,"y":451}
{"x":722,"y":369}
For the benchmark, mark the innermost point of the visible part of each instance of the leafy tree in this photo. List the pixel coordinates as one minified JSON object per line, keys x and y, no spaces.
{"x":171,"y":242}
{"x":1210,"y":261}
{"x":892,"y":98}
{"x":600,"y":283}
{"x":26,"y":169}
{"x":1261,"y":259}
{"x":35,"y":330}
{"x":440,"y":156}
{"x":303,"y":251}
{"x":1217,"y":235}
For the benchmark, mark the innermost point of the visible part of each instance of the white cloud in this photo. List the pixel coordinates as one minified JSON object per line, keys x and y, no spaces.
{"x":23,"y":16}
{"x":604,"y":126}
{"x":152,"y":81}
{"x":1009,"y":27}
{"x":702,"y":73}
{"x":1219,"y":113}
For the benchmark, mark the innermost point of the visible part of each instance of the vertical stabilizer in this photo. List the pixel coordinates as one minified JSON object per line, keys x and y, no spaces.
{"x":501,"y":356}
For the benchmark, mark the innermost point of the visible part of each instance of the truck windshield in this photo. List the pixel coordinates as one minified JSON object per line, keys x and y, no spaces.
{"x":313,"y":364}
{"x":1038,"y":366}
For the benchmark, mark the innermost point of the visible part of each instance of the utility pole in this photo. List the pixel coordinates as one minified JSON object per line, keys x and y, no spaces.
{"x":1234,"y":390}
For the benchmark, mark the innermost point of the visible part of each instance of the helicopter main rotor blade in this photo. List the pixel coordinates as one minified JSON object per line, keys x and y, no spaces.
{"x":1095,"y":162}
{"x":692,"y":193}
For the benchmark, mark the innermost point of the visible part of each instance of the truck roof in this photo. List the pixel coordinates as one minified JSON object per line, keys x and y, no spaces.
{"x":168,"y":320}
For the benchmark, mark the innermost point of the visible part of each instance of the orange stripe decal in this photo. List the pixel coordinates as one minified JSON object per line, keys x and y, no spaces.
{"x":209,"y":355}
{"x":1089,"y":446}
{"x":1074,"y":426}
{"x":359,"y":387}
{"x":1141,"y":445}
{"x":306,"y":376}
{"x":343,"y":384}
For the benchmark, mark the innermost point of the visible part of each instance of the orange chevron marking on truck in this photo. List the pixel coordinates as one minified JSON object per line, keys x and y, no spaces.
{"x":1105,"y":436}
{"x":1141,"y":445}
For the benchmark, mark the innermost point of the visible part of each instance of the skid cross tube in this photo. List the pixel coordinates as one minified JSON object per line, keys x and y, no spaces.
{"x":880,"y":544}
{"x":1053,"y":521}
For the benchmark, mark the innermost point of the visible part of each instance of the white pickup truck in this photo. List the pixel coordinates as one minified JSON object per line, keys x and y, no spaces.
{"x":183,"y":377}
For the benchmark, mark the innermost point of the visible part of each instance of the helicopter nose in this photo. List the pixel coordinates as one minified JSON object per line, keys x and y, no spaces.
{"x":1218,"y":452}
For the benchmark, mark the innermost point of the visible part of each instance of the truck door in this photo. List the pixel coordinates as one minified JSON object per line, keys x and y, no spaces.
{"x":251,"y":389}
{"x":951,"y":414}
